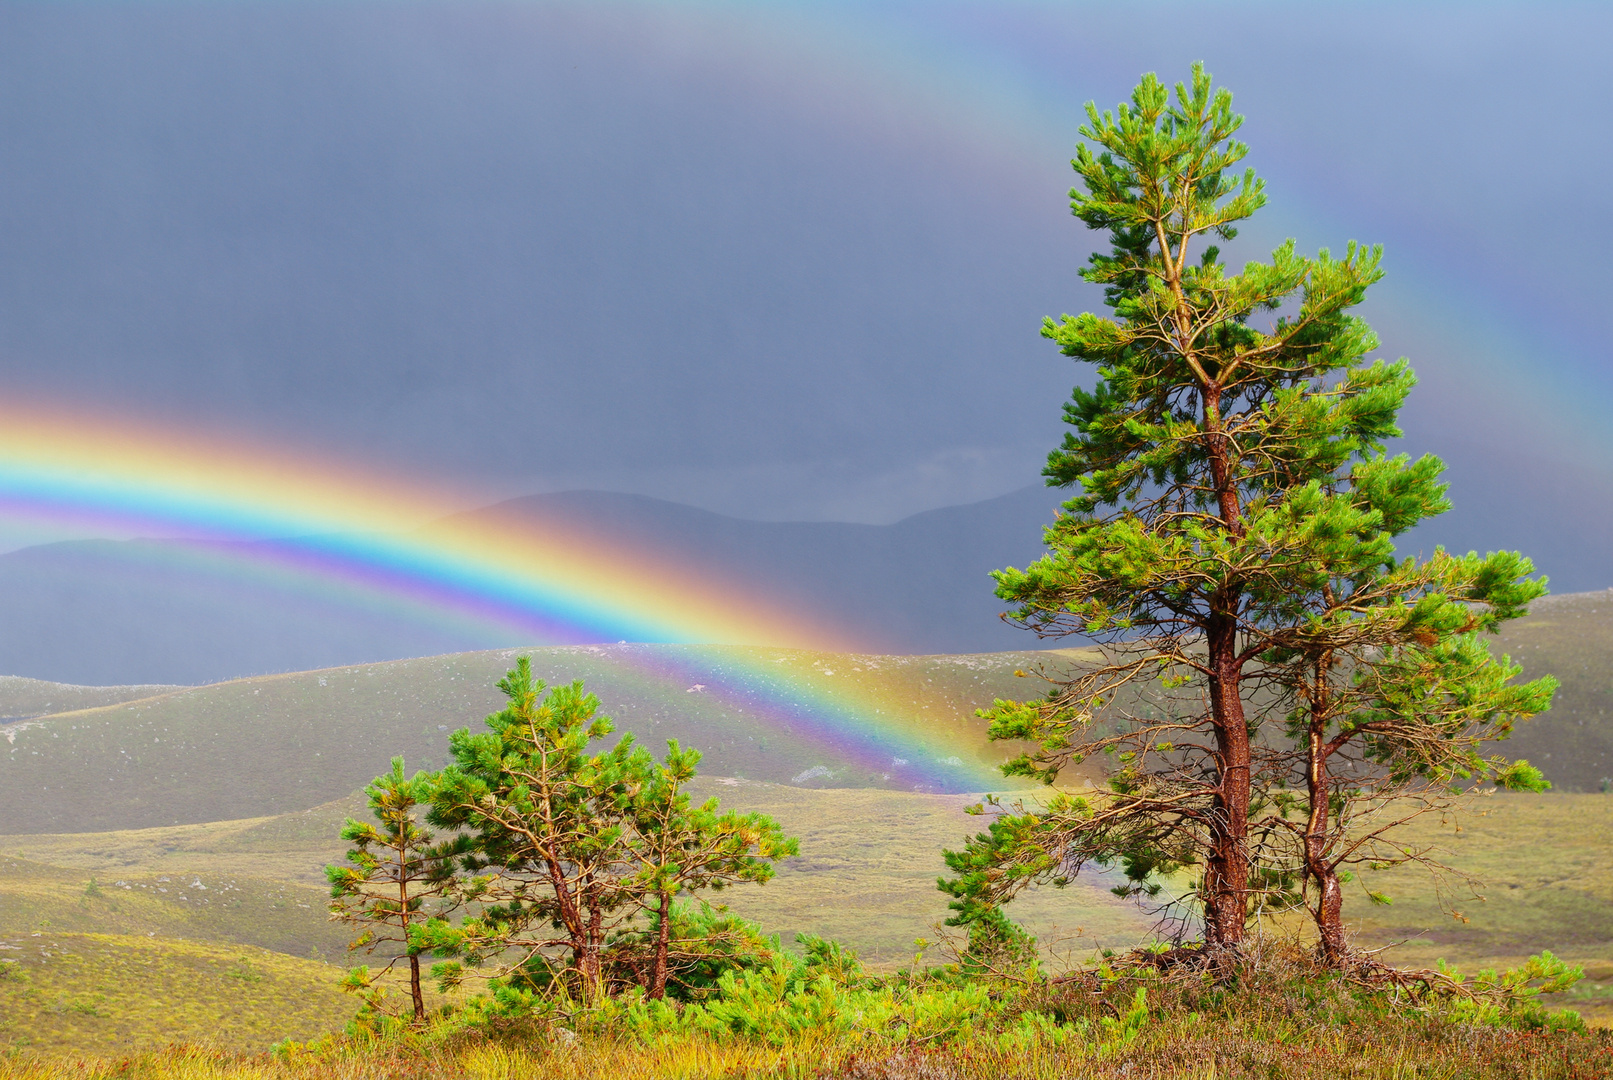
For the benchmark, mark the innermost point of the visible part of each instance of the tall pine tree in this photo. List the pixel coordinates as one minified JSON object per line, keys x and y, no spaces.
{"x":1228,"y":477}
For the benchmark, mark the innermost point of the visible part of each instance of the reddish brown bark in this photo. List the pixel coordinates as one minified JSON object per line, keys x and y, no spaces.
{"x":1226,"y":879}
{"x":663,"y":945}
{"x":582,"y":920}
{"x":1324,"y":874}
{"x":415,"y":993}
{"x":414,"y":989}
{"x":589,"y":967}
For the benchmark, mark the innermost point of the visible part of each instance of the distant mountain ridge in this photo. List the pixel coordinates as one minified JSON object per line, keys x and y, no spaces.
{"x":159,"y":611}
{"x":917,"y":586}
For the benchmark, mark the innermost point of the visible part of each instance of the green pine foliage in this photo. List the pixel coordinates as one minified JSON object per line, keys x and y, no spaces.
{"x":393,"y":872}
{"x":685,"y":848}
{"x":703,"y":943}
{"x":573,"y":850}
{"x":1232,"y":544}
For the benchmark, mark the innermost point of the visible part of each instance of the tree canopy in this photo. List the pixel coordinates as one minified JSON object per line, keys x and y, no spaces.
{"x":1234,"y":518}
{"x":563,"y":852}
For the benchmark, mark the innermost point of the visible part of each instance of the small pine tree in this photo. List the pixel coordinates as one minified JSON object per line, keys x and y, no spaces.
{"x":394,"y":870}
{"x":684,"y":848}
{"x":549,"y":823}
{"x":572,"y":847}
{"x":1394,"y":695}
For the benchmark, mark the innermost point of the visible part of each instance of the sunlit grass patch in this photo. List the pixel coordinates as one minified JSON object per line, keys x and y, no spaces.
{"x":107,"y":994}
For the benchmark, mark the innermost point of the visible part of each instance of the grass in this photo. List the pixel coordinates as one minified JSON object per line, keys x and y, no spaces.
{"x":1545,"y":870}
{"x":866,"y":876}
{"x":120,"y":993}
{"x":196,"y":905}
{"x":1265,"y":1028}
{"x":282,"y":743}
{"x":868,"y":866}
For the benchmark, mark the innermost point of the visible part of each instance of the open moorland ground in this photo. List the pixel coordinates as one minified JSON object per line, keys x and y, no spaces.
{"x":189,"y":910}
{"x":161,"y":849}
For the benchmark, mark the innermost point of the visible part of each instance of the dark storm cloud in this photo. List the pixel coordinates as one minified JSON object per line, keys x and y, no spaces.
{"x":507,"y":242}
{"x":626,"y":246}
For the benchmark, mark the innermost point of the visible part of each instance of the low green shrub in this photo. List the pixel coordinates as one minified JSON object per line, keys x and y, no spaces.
{"x":1511,"y":998}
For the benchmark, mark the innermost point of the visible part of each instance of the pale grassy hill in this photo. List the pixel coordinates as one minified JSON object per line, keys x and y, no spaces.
{"x":120,"y":757}
{"x":23,"y":699}
{"x":1570,"y":637}
{"x":279,"y":743}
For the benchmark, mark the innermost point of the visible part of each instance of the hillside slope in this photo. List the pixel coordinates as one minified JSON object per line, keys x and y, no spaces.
{"x":279,"y":743}
{"x":1570,"y":637}
{"x":24,"y":699}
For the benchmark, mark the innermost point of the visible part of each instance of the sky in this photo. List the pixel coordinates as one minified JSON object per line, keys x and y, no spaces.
{"x":781,"y":261}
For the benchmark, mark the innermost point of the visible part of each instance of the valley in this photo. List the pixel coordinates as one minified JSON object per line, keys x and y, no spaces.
{"x":195,"y":863}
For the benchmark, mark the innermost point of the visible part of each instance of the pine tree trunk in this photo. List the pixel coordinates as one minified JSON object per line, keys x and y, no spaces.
{"x":590,"y":968}
{"x":663,"y":939}
{"x":569,"y":901}
{"x":414,"y":989}
{"x":1330,"y":918}
{"x":1329,"y":910}
{"x":1226,"y":878}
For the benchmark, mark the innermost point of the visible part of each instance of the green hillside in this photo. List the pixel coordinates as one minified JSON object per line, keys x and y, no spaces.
{"x":1570,"y":637}
{"x":278,"y":743}
{"x":110,"y":994}
{"x":155,"y":756}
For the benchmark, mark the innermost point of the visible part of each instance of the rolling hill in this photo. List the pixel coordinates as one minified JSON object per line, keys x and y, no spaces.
{"x":156,"y":756}
{"x":26,"y":699}
{"x":174,"y":837}
{"x":278,"y":743}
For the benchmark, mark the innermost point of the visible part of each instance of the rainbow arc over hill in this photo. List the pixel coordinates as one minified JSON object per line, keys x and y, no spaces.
{"x":383,"y":540}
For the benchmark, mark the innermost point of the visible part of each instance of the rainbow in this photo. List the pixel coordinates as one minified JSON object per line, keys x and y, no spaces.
{"x":376,"y":540}
{"x":367,"y":529}
{"x":821,"y":711}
